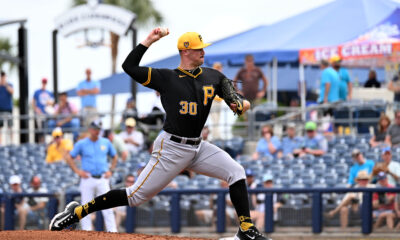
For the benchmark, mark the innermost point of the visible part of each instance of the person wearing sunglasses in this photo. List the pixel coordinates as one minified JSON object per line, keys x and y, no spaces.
{"x":313,"y":143}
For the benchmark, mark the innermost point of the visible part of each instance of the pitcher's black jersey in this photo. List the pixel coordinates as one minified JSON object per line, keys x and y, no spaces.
{"x":185,"y":96}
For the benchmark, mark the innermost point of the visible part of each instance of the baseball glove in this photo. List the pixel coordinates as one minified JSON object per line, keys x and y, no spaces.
{"x":230,"y":95}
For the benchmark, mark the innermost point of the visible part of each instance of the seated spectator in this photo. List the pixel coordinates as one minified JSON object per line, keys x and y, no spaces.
{"x":268,"y":145}
{"x":134,"y":139}
{"x":391,"y":168}
{"x":397,"y":209}
{"x":313,"y":143}
{"x":259,"y":214}
{"x":383,"y":203}
{"x":156,"y":116}
{"x":19,"y":202}
{"x":361,"y":164}
{"x":352,"y":200}
{"x":372,"y":82}
{"x":59,"y":147}
{"x":42,"y":101}
{"x":130,"y":111}
{"x":118,"y":144}
{"x":393,"y":132}
{"x":37,"y":205}
{"x":65,"y":114}
{"x":379,"y":137}
{"x":120,"y":212}
{"x":291,"y":141}
{"x":251,"y":184}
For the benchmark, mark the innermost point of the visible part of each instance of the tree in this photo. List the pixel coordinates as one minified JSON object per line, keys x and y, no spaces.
{"x":5,"y":48}
{"x":145,"y":14}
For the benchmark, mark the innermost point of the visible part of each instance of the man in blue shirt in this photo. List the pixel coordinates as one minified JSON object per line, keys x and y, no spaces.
{"x":329,"y":85}
{"x":291,"y":141}
{"x":88,"y":90}
{"x":345,"y":84}
{"x":41,"y":99}
{"x":313,"y":143}
{"x":95,"y":173}
{"x":268,"y":145}
{"x":6,"y":92}
{"x":361,"y":164}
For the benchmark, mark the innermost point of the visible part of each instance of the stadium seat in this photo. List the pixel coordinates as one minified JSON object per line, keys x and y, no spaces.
{"x":341,"y":169}
{"x":319,"y":169}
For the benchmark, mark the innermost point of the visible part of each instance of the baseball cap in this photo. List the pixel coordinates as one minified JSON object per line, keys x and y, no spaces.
{"x":249,"y":173}
{"x":267,"y":177}
{"x":96,"y":124}
{"x":381,"y":176}
{"x":191,"y":40}
{"x":15,"y":179}
{"x":130,"y":122}
{"x":291,"y":125}
{"x":310,"y":126}
{"x":362,"y":175}
{"x":385,"y":149}
{"x":44,"y":80}
{"x":335,"y":59}
{"x":355,"y":152}
{"x":57,"y":132}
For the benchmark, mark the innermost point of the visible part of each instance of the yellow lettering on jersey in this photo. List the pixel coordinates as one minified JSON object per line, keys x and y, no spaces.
{"x":184,"y":107}
{"x":193,"y":108}
{"x":188,"y":107}
{"x":208,"y":93}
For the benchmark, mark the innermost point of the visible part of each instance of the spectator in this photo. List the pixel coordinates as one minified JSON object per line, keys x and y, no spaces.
{"x":66,"y":116}
{"x":251,"y":184}
{"x":383,"y":203}
{"x":118,"y":143}
{"x":313,"y":143}
{"x":59,"y":147}
{"x":291,"y":141}
{"x":95,"y":173}
{"x":19,"y":202}
{"x":372,"y":82}
{"x":130,"y":111}
{"x":215,"y":111}
{"x":88,"y":90}
{"x":345,"y":84}
{"x":361,"y":164}
{"x":391,"y":168}
{"x":379,"y":137}
{"x":268,"y":145}
{"x":394,"y":86}
{"x":120,"y":212}
{"x":156,"y":116}
{"x":6,"y":103}
{"x":259,"y":213}
{"x":249,"y":76}
{"x":37,"y":205}
{"x":134,"y":139}
{"x":397,"y":209}
{"x":41,"y":99}
{"x":393,"y":132}
{"x":352,"y":200}
{"x":329,"y":85}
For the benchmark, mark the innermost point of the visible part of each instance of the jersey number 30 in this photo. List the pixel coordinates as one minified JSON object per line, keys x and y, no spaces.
{"x":188,"y":107}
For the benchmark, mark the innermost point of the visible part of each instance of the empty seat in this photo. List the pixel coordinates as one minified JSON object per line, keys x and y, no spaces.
{"x":319,"y":169}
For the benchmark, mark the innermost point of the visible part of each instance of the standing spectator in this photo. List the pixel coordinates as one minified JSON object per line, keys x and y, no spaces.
{"x":249,"y":76}
{"x":329,"y":85}
{"x":361,"y":164}
{"x":95,"y":173}
{"x":215,"y":111}
{"x":313,"y":143}
{"x":345,"y":84}
{"x":120,"y":212}
{"x":37,"y":205}
{"x":41,"y":99}
{"x":134,"y":139}
{"x":291,"y":142}
{"x":383,"y":203}
{"x":59,"y":147}
{"x":391,"y":168}
{"x":268,"y":145}
{"x":394,"y":86}
{"x":19,"y":202}
{"x":379,"y":137}
{"x":88,"y":90}
{"x":372,"y":82}
{"x":6,"y":104}
{"x":352,"y":201}
{"x":66,"y":116}
{"x":393,"y":133}
{"x":118,"y":144}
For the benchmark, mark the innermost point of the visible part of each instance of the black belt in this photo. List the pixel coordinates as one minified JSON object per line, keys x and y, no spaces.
{"x":188,"y":141}
{"x":96,"y":176}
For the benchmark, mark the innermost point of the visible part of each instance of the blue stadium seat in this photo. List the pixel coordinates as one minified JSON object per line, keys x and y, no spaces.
{"x":319,"y":169}
{"x":341,"y":169}
{"x":298,"y":169}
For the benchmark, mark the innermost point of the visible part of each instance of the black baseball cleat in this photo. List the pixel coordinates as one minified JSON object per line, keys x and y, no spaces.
{"x":251,"y":234}
{"x":64,"y":219}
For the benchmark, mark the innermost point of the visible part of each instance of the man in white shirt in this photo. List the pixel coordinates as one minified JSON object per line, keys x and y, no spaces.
{"x":134,"y":139}
{"x":390,"y":167}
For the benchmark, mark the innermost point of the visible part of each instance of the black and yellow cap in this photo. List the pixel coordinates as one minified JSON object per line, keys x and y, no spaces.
{"x":191,"y":40}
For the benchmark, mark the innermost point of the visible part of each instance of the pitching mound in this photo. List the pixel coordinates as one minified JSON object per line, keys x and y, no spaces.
{"x":78,"y":235}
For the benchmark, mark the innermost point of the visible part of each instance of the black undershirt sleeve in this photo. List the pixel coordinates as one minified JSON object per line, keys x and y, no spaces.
{"x":131,"y":64}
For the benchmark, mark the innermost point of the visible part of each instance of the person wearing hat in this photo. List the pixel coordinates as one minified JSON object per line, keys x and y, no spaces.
{"x":249,"y":77}
{"x":95,"y":172}
{"x":345,"y":84}
{"x":133,"y":139}
{"x":393,"y":132}
{"x":391,"y":168}
{"x":88,"y":90}
{"x":291,"y":142}
{"x":313,"y":143}
{"x":118,"y":143}
{"x":19,"y":202}
{"x":352,"y":200}
{"x":361,"y":164}
{"x":41,"y":99}
{"x":59,"y":147}
{"x":329,"y":84}
{"x":187,"y":93}
{"x":383,"y":203}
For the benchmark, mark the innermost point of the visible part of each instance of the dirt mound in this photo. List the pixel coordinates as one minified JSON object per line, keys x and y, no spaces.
{"x":78,"y":235}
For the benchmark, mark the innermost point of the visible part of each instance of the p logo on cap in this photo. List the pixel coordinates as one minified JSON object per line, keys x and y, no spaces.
{"x":191,"y":40}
